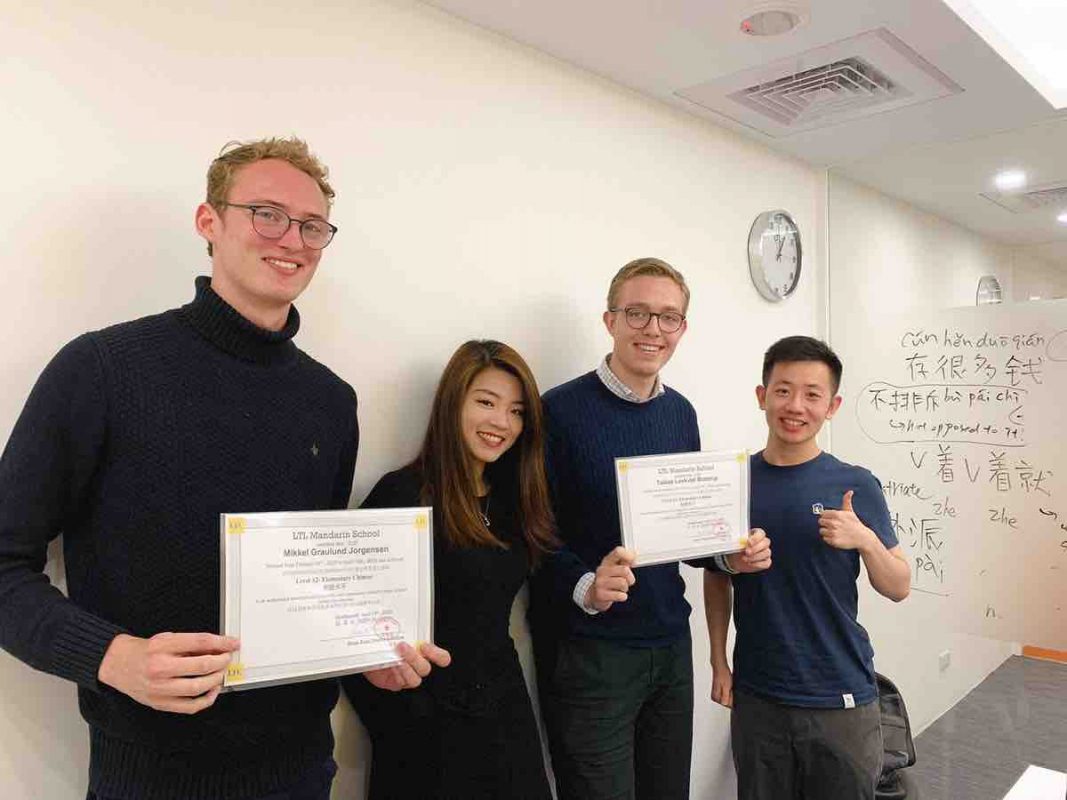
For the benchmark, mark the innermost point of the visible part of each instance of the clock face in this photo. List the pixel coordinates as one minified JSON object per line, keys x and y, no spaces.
{"x":774,"y":256}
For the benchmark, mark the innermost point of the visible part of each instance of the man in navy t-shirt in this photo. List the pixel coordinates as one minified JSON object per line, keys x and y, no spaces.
{"x":805,"y":720}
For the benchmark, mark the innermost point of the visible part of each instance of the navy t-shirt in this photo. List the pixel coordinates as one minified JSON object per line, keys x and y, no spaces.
{"x":798,"y":640}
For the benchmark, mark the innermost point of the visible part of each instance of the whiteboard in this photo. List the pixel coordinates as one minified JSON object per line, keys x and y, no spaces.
{"x":960,"y":413}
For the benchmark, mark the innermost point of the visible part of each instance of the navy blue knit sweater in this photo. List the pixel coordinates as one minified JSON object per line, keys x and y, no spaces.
{"x":133,"y":441}
{"x":588,"y":427}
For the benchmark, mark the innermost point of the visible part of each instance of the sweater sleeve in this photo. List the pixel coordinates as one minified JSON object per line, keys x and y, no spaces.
{"x":562,"y":570}
{"x":46,"y":472}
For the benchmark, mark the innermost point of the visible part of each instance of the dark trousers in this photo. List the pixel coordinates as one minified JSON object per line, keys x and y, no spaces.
{"x":482,"y":745}
{"x":620,"y":720}
{"x":314,"y":784}
{"x":792,"y":753}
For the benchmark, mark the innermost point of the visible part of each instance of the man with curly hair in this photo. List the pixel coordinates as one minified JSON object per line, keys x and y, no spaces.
{"x":133,"y":441}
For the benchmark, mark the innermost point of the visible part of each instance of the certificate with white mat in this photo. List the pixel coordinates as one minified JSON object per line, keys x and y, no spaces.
{"x":683,"y":505}
{"x":320,"y":593}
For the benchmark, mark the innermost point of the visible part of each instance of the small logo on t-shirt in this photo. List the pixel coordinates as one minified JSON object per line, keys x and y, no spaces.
{"x":816,"y":508}
{"x":315,"y":449}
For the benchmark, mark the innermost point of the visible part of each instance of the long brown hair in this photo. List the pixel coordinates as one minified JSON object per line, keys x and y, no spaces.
{"x":445,"y":462}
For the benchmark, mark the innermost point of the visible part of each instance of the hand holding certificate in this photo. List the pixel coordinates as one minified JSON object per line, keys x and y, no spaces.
{"x":321,"y":593}
{"x":682,"y":506}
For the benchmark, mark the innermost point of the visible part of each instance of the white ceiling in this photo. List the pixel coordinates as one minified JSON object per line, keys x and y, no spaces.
{"x":938,"y":155}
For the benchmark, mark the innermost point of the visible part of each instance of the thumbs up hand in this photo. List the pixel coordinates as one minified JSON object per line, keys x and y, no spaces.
{"x":843,"y":529}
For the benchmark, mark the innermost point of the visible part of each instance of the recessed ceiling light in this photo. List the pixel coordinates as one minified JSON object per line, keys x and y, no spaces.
{"x":770,"y":22}
{"x":1010,"y":179}
{"x":1062,"y":218}
{"x":1028,"y":34}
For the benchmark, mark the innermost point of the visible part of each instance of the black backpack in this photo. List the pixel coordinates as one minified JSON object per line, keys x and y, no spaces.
{"x":898,"y":750}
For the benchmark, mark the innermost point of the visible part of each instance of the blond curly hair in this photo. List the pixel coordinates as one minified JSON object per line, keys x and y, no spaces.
{"x":234,"y":155}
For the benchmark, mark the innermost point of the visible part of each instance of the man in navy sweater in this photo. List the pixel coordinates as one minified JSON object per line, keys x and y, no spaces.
{"x":133,"y":441}
{"x":612,"y":640}
{"x":805,"y":722}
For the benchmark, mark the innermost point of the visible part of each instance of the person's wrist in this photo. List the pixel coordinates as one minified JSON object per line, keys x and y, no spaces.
{"x":105,"y":673}
{"x":582,"y":593}
{"x":869,"y":543}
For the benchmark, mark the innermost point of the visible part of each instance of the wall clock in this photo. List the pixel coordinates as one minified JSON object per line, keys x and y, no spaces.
{"x":988,"y":291}
{"x":774,"y":255}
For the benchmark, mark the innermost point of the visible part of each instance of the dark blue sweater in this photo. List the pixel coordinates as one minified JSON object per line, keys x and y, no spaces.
{"x":588,"y":427}
{"x":131,"y":444}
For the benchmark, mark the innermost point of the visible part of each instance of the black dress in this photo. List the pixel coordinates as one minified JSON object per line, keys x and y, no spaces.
{"x":468,"y":732}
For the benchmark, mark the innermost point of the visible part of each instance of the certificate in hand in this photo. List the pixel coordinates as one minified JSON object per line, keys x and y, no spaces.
{"x":320,"y":593}
{"x":684,"y":505}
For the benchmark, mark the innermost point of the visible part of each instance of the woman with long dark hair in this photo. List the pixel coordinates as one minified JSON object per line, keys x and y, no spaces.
{"x":469,"y":731}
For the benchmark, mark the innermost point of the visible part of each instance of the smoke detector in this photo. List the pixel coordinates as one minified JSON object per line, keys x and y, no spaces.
{"x":771,"y":22}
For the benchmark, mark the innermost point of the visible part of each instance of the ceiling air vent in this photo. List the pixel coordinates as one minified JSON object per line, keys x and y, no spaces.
{"x":1035,"y":199}
{"x":820,"y":92}
{"x":850,"y":79}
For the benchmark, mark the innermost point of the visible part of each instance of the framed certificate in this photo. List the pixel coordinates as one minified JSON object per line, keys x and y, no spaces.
{"x":321,"y":593}
{"x":684,"y":505}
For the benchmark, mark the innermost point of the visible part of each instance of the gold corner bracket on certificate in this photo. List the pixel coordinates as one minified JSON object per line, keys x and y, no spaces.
{"x":321,"y":593}
{"x":683,"y":505}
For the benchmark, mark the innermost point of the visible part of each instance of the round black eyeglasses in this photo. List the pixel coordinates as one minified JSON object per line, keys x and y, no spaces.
{"x":273,"y":223}
{"x":638,"y":318}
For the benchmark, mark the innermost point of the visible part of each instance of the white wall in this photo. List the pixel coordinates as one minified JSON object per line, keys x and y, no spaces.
{"x":886,"y":258}
{"x":484,"y":190}
{"x":1036,"y":277}
{"x":889,"y":257}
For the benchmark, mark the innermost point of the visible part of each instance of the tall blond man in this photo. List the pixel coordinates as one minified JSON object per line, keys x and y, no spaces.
{"x":612,"y":639}
{"x":132,"y":442}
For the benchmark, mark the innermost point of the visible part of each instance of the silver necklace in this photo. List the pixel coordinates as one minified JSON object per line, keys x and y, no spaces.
{"x":484,"y":513}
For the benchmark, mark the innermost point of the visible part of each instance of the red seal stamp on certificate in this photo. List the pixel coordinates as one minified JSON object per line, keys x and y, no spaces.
{"x":386,"y":627}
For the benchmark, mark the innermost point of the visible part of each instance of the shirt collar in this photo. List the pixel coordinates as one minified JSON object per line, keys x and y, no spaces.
{"x":620,"y":389}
